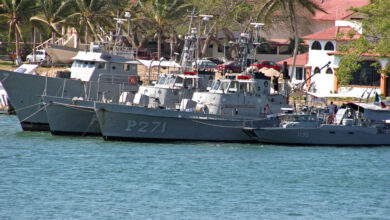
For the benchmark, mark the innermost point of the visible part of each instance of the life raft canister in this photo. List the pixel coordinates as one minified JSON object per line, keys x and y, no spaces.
{"x":133,"y":80}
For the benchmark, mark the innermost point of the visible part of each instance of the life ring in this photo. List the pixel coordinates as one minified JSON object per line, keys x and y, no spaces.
{"x":330,"y":119}
{"x":133,"y":80}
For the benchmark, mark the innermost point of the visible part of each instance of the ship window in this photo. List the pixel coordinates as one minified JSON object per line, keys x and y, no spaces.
{"x":316,"y":46}
{"x":233,"y":87}
{"x":113,"y":67}
{"x":224,"y":86}
{"x":75,"y":64}
{"x":216,"y":85}
{"x":85,"y":64}
{"x":246,"y":87}
{"x":329,"y":71}
{"x":101,"y":66}
{"x":179,"y":80}
{"x":126,"y":67}
{"x":91,"y":64}
{"x":187,"y":83}
{"x":329,"y":46}
{"x":162,"y":80}
{"x":170,"y":80}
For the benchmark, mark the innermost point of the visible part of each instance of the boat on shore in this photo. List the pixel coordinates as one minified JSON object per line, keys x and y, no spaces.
{"x":60,"y":54}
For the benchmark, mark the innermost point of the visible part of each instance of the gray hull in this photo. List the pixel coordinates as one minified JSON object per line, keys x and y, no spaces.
{"x":120,"y":122}
{"x":324,"y":135}
{"x":25,"y":91}
{"x":67,"y":117}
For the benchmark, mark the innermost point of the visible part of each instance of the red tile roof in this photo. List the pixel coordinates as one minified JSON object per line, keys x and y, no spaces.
{"x":337,"y":53}
{"x":301,"y":60}
{"x":337,"y":9}
{"x":332,"y":33}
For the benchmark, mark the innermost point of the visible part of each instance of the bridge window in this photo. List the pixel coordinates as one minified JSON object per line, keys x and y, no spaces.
{"x":102,"y":66}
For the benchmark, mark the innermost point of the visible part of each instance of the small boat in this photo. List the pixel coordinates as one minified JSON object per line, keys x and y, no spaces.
{"x":61,"y":54}
{"x":349,"y":128}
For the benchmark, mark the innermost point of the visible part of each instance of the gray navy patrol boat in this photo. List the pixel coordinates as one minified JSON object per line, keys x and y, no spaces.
{"x":77,"y":117}
{"x":93,"y":75}
{"x":218,"y":114}
{"x":350,"y":128}
{"x":215,"y":115}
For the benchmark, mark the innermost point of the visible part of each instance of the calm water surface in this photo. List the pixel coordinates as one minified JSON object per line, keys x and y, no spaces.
{"x":47,"y":177}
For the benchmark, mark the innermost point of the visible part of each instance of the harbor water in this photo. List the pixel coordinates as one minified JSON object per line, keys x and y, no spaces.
{"x":49,"y":177}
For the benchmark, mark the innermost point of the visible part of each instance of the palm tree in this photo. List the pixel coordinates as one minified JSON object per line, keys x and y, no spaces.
{"x":91,"y":13}
{"x":52,"y":14}
{"x":290,"y":6}
{"x":159,"y":14}
{"x":16,"y":12}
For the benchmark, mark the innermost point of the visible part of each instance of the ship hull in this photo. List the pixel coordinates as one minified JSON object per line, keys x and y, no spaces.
{"x":71,"y":117}
{"x":120,"y":122}
{"x":25,"y":91}
{"x":61,"y":54}
{"x":329,"y":135}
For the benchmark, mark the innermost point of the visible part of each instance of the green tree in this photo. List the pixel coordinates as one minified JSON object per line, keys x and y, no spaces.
{"x":91,"y":14}
{"x":227,"y":15}
{"x":290,"y":7}
{"x":160,"y":14}
{"x":52,"y":14}
{"x":375,"y":40}
{"x":16,"y":12}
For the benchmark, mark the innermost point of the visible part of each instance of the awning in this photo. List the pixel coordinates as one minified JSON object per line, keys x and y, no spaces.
{"x":27,"y":68}
{"x":270,"y":72}
{"x":154,"y":63}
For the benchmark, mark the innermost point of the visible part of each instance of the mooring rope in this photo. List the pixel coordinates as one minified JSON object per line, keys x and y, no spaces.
{"x":26,"y":107}
{"x":224,"y":126}
{"x":35,"y":112}
{"x":73,"y":106}
{"x":89,"y":126}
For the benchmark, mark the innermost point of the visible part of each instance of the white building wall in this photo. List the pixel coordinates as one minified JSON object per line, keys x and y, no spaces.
{"x":318,"y":58}
{"x":354,"y":24}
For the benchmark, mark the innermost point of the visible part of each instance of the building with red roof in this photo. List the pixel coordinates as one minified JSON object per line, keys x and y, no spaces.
{"x":321,"y":63}
{"x":337,"y":10}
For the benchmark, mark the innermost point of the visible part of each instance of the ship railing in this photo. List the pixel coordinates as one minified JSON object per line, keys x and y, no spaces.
{"x":115,"y":78}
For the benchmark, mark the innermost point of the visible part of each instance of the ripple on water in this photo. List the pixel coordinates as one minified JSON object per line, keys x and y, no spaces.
{"x":49,"y":177}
